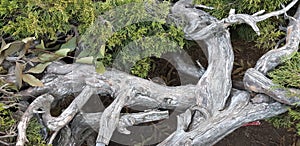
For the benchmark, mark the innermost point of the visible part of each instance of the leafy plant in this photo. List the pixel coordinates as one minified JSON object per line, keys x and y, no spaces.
{"x":269,"y":28}
{"x":288,"y":76}
{"x":33,"y":134}
{"x":130,"y":33}
{"x":6,"y":120}
{"x":141,"y":68}
{"x":44,"y":18}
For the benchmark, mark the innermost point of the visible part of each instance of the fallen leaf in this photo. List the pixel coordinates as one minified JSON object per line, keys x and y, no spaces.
{"x":99,"y":67}
{"x":102,"y":51}
{"x":48,"y":57}
{"x":238,"y":70}
{"x":71,"y":44}
{"x":31,"y":80}
{"x":87,"y":60}
{"x":39,"y":68}
{"x":11,"y":48}
{"x":18,"y":73}
{"x":62,"y":52}
{"x":35,"y":59}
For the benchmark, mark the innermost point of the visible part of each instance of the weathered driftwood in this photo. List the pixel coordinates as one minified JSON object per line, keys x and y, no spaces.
{"x":210,"y":110}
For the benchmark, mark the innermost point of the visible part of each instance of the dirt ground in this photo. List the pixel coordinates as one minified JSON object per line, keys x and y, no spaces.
{"x":262,"y":135}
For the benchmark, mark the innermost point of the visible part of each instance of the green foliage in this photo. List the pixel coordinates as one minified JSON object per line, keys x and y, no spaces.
{"x":131,"y":32}
{"x":291,"y":119}
{"x":269,"y":28}
{"x":284,"y":121}
{"x":38,"y":17}
{"x":288,"y":75}
{"x":6,"y":120}
{"x":7,"y":123}
{"x":33,"y":134}
{"x":141,"y":68}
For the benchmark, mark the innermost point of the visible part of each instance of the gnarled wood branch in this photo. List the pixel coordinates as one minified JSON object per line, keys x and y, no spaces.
{"x":207,"y":114}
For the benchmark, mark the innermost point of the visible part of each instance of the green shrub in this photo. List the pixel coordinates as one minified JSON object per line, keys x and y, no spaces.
{"x":269,"y":28}
{"x":288,"y":75}
{"x":6,"y":120}
{"x":44,"y":18}
{"x":32,"y":132}
{"x":131,"y":33}
{"x":6,"y":123}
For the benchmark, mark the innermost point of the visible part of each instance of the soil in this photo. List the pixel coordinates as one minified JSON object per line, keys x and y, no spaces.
{"x":262,"y":135}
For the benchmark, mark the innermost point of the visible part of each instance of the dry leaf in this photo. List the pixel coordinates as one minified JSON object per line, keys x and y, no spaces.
{"x":39,"y":68}
{"x":31,"y":80}
{"x":18,"y":73}
{"x":87,"y":60}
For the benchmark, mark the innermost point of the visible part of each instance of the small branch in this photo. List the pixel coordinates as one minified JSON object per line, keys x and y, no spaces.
{"x":54,"y":123}
{"x":275,"y":57}
{"x":204,"y":7}
{"x":43,"y":101}
{"x":8,"y":136}
{"x":110,"y":117}
{"x":68,"y":114}
{"x":196,"y":30}
{"x":127,"y":120}
{"x":255,"y":81}
{"x":215,"y":128}
{"x":276,"y":13}
{"x":5,"y":143}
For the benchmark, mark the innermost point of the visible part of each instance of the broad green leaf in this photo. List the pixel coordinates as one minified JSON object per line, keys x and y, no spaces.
{"x":18,"y":74}
{"x":87,"y":60}
{"x":62,"y":52}
{"x":102,"y":51}
{"x":31,"y":80}
{"x":99,"y":67}
{"x":71,"y":44}
{"x":39,"y":68}
{"x":48,"y":57}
